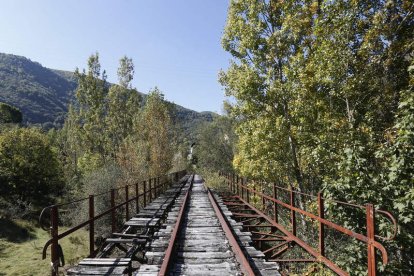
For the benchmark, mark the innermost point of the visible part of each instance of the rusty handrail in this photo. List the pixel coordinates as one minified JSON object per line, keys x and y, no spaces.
{"x":390,"y":217}
{"x":369,"y":239}
{"x":386,"y":214}
{"x":168,"y":253}
{"x":54,"y":215}
{"x":315,"y":196}
{"x":299,"y":241}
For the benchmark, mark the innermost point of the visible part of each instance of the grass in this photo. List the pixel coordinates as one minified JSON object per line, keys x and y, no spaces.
{"x":21,"y":244}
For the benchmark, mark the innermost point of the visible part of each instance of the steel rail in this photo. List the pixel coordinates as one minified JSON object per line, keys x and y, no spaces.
{"x":168,"y":253}
{"x":241,"y":258}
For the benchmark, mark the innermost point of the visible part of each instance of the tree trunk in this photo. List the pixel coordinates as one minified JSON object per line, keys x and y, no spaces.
{"x":296,"y":168}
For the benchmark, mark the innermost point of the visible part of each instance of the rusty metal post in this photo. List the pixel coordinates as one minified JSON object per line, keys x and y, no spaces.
{"x":137,"y":197}
{"x":242,"y":188}
{"x":247,"y":194}
{"x":254,"y":191}
{"x":91,"y":226}
{"x":127,"y":204}
{"x":233,"y":182}
{"x":155,"y":187}
{"x":113,"y":222}
{"x":321,"y":213}
{"x":227,"y":180}
{"x":372,"y":264}
{"x":263,"y":199}
{"x":275,"y":214}
{"x":292,"y":212}
{"x":150,"y":189}
{"x":54,"y":219}
{"x":145,"y":193}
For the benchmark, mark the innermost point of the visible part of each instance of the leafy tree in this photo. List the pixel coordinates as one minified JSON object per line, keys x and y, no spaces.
{"x":10,"y":114}
{"x":123,"y":104}
{"x":29,"y":169}
{"x":317,"y":85}
{"x":400,"y":175}
{"x":92,"y":106}
{"x":214,"y":146}
{"x":154,"y":127}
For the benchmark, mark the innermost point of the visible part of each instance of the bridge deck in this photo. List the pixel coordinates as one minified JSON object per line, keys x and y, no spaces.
{"x":201,"y":246}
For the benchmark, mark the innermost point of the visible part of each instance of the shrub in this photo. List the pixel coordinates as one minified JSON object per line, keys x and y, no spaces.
{"x":29,"y":169}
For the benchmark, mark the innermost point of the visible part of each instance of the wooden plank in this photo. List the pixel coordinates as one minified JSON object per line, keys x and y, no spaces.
{"x":98,"y":262}
{"x":97,"y":270}
{"x":126,"y":235}
{"x":142,"y":223}
{"x":134,"y":241}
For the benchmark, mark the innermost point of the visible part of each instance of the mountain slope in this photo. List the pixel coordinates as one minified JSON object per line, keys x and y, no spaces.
{"x":43,"y":94}
{"x":40,"y":93}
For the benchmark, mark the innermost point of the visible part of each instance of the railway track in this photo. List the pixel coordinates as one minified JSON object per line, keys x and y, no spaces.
{"x":188,"y":230}
{"x":198,"y":238}
{"x":121,"y":253}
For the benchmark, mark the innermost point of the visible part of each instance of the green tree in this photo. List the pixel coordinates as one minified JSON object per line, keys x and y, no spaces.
{"x":214,"y":146}
{"x":10,"y":114}
{"x":29,"y":169}
{"x":154,"y":127}
{"x":398,"y":177}
{"x":123,"y":104}
{"x":92,"y":107}
{"x":317,"y":85}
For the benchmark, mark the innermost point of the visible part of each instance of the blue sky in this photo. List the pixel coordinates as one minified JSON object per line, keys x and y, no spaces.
{"x":175,"y":45}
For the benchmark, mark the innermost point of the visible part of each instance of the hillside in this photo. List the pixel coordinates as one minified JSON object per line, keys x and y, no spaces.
{"x":40,"y":93}
{"x":43,"y":94}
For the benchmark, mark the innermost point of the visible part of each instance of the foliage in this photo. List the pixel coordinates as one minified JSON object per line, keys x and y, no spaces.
{"x":322,"y":99}
{"x":154,"y":127}
{"x":124,"y":103}
{"x":213,"y":180}
{"x":214,"y":146}
{"x":17,"y":209}
{"x":99,"y":181}
{"x":112,"y":125}
{"x":43,"y":95}
{"x":29,"y":169}
{"x":9,"y":114}
{"x":92,"y":108}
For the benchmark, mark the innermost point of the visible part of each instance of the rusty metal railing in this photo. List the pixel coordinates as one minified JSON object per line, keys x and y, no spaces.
{"x":150,"y":188}
{"x":239,"y":186}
